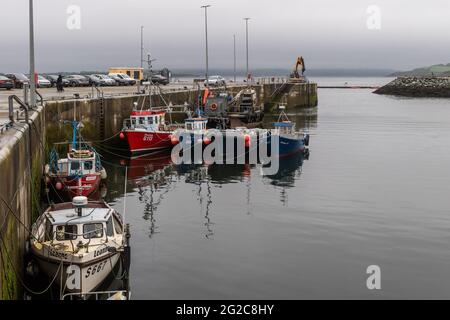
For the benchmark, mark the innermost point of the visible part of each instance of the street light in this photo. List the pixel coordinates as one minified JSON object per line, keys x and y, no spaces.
{"x":32,"y":68}
{"x":142,"y":46}
{"x":206,"y":41}
{"x":246,"y":43}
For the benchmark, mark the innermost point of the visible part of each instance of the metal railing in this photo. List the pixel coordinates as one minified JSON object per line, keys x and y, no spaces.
{"x":97,"y":295}
{"x":23,"y":106}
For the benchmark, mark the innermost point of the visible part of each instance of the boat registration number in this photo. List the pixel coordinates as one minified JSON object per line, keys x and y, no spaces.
{"x":148,"y":137}
{"x":96,"y":268}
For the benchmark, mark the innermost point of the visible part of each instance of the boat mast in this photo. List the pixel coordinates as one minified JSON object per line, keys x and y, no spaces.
{"x":150,"y":84}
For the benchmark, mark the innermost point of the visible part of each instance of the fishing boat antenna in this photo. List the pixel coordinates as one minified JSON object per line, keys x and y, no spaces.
{"x":79,"y":203}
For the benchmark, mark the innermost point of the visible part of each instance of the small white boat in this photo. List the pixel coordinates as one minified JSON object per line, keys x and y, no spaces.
{"x":79,"y":243}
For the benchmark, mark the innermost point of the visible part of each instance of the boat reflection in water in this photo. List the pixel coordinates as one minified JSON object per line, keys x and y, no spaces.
{"x":151,"y":177}
{"x":290,"y":169}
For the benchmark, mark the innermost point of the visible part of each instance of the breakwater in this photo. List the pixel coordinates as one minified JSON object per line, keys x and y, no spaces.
{"x":417,"y":87}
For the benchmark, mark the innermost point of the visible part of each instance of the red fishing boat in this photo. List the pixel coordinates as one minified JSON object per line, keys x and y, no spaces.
{"x":146,"y":131}
{"x":79,"y":174}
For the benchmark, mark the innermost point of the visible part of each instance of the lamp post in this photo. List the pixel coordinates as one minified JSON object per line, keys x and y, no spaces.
{"x":142,"y":46}
{"x":32,"y":67}
{"x":246,"y":43}
{"x":234,"y":54}
{"x":206,"y":42}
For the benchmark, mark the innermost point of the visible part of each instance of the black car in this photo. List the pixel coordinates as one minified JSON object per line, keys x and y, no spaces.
{"x":19,"y":79}
{"x":76,"y":80}
{"x":159,"y":79}
{"x":6,"y":83}
{"x":53,"y":78}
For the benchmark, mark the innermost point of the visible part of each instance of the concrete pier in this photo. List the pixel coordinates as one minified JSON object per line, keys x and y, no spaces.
{"x":24,"y":147}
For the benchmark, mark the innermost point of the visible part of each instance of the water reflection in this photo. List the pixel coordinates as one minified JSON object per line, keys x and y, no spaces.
{"x":288,"y":173}
{"x":151,"y":177}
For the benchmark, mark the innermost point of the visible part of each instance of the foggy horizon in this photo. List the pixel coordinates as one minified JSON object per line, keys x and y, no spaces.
{"x":329,"y":35}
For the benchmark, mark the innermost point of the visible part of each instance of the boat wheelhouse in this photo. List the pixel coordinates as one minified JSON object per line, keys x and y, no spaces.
{"x":195,"y":125}
{"x":78,"y":243}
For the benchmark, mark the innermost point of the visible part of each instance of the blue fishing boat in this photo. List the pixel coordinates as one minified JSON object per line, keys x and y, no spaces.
{"x":290,"y":140}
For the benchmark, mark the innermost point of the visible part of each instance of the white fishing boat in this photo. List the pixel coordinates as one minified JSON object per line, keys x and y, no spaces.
{"x":78,"y":244}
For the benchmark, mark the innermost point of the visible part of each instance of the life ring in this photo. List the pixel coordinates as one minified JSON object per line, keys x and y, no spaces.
{"x":213,"y":107}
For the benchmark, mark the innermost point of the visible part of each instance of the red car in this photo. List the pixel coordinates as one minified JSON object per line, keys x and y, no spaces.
{"x":19,"y":79}
{"x":6,"y":83}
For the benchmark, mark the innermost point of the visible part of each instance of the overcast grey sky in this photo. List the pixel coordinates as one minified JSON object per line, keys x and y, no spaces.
{"x":328,"y":33}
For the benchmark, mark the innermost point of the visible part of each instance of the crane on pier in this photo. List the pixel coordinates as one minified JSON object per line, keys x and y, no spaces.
{"x":300,"y":62}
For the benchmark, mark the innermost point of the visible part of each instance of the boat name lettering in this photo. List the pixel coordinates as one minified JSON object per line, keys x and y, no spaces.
{"x":57,"y":254}
{"x":95,"y":268}
{"x":148,"y":137}
{"x":99,"y":252}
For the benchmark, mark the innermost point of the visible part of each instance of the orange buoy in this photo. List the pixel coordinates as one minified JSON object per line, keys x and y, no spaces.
{"x":174,"y":140}
{"x":247,"y":140}
{"x":58,"y":185}
{"x":122,"y":135}
{"x":205,"y":95}
{"x":206,"y":140}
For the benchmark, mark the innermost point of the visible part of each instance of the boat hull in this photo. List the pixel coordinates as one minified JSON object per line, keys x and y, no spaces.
{"x":145,"y":141}
{"x":69,"y":186}
{"x":289,"y":145}
{"x":78,"y":278}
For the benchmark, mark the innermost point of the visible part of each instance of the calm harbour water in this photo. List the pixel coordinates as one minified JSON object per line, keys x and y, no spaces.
{"x":375,"y":190}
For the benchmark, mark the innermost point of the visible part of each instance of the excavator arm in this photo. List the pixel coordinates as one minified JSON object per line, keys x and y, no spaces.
{"x":298,"y":63}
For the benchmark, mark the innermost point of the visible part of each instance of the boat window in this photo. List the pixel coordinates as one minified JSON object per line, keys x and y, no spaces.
{"x":88,"y":165}
{"x":141,"y":120}
{"x":48,"y":231}
{"x":156,"y":120}
{"x":66,"y":232}
{"x":117,"y":225}
{"x":188,"y":126}
{"x":92,"y":230}
{"x":133,"y":122}
{"x":150,"y":120}
{"x":63,"y":167}
{"x":109,"y":227}
{"x":74,"y":166}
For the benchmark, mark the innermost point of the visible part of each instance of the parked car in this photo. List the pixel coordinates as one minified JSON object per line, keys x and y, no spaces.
{"x":19,"y":79}
{"x":123,"y":79}
{"x":76,"y":80}
{"x":96,"y":81}
{"x":107,"y":80}
{"x":6,"y":83}
{"x":53,"y":78}
{"x":216,"y":81}
{"x":157,"y":78}
{"x":43,"y":82}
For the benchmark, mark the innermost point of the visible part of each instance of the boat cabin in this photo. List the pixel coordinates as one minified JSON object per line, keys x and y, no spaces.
{"x":64,"y":227}
{"x":195,"y":124}
{"x":78,"y":162}
{"x":284,"y":127}
{"x":148,"y":120}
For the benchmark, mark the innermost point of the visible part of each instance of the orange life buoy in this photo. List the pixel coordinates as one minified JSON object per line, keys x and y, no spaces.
{"x":213,"y":106}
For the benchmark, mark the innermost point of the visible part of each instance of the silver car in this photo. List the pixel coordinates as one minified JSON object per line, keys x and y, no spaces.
{"x":106,"y":80}
{"x":216,"y":81}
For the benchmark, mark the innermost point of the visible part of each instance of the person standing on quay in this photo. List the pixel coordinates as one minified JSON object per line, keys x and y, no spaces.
{"x":59,"y":84}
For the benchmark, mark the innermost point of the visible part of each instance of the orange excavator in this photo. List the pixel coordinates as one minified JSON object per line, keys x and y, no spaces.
{"x":300,"y":62}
